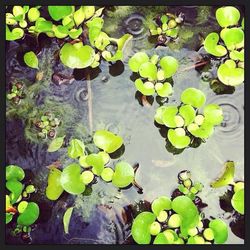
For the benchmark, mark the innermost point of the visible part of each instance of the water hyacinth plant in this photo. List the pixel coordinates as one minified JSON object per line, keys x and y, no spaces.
{"x":185,"y":122}
{"x":228,"y":45}
{"x":153,"y":73}
{"x":177,"y":221}
{"x":17,"y":207}
{"x":75,"y":176}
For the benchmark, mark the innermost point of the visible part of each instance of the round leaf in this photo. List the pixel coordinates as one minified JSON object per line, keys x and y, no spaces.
{"x":212,"y":47}
{"x":15,"y":187}
{"x":164,"y":90}
{"x":220,"y":230}
{"x":107,"y":174}
{"x":13,"y":172}
{"x":137,"y":60}
{"x":31,"y":60}
{"x":59,"y":12}
{"x":96,"y":161}
{"x":238,"y":201}
{"x":169,"y":65}
{"x":213,"y":114}
{"x":158,"y":114}
{"x":194,"y":97}
{"x":160,"y":204}
{"x":76,"y":148}
{"x":168,"y":116}
{"x":232,"y":37}
{"x":178,"y":141}
{"x":30,"y":215}
{"x":188,"y":113}
{"x":204,"y":131}
{"x":227,"y":16}
{"x":148,"y":70}
{"x":146,"y":88}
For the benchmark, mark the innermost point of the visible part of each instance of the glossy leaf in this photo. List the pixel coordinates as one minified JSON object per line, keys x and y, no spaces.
{"x":59,"y":12}
{"x":213,"y":114}
{"x":204,"y":131}
{"x":107,"y":141}
{"x":76,"y":148}
{"x":14,"y":172}
{"x":60,"y":31}
{"x":66,"y":219}
{"x":14,"y":34}
{"x":123,"y":174}
{"x":188,"y":113}
{"x":148,"y":70}
{"x":160,"y":204}
{"x":212,"y":47}
{"x":30,"y":215}
{"x":33,"y":14}
{"x":237,"y":55}
{"x":169,"y":65}
{"x":95,"y":26}
{"x":220,"y":230}
{"x":164,"y":90}
{"x":56,"y":144}
{"x":178,"y":141}
{"x":238,"y":201}
{"x":71,"y":179}
{"x":227,"y":16}
{"x":107,"y":174}
{"x":77,"y":55}
{"x":158,"y":114}
{"x":96,"y":162}
{"x":168,"y":116}
{"x":161,"y":239}
{"x":43,"y":25}
{"x":137,"y":60}
{"x":31,"y":60}
{"x":146,"y":88}
{"x":141,"y":227}
{"x":15,"y":187}
{"x":54,"y":188}
{"x":232,"y":37}
{"x":194,"y":97}
{"x":8,"y":218}
{"x":87,"y":177}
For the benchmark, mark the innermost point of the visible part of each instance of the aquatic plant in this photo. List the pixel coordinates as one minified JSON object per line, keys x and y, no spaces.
{"x":227,"y":178}
{"x":73,"y":179}
{"x":153,"y":73}
{"x":17,"y":93}
{"x":185,"y":122}
{"x":229,"y":45}
{"x":31,"y":59}
{"x":17,"y":207}
{"x":177,"y":221}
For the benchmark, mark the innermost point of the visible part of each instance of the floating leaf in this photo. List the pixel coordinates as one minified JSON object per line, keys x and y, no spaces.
{"x":59,"y":12}
{"x":220,"y":230}
{"x":169,"y":65}
{"x":137,"y":60}
{"x":168,"y":116}
{"x":237,"y":55}
{"x":56,"y":144}
{"x":22,"y":206}
{"x":213,"y":114}
{"x":188,"y":113}
{"x":95,"y":26}
{"x":13,"y":172}
{"x":66,"y":219}
{"x":29,"y":215}
{"x":161,"y":239}
{"x":88,"y":11}
{"x":71,"y":179}
{"x":146,"y":88}
{"x":43,"y":25}
{"x":204,"y":131}
{"x":185,"y":207}
{"x":96,"y":162}
{"x":54,"y":188}
{"x":102,"y":41}
{"x":212,"y":47}
{"x":227,"y":16}
{"x":77,"y":55}
{"x":160,"y":204}
{"x":31,"y":60}
{"x":87,"y":177}
{"x":232,"y":37}
{"x":15,"y":187}
{"x":15,"y":34}
{"x":76,"y":148}
{"x":178,"y":140}
{"x":60,"y":31}
{"x":123,"y":174}
{"x":158,"y":114}
{"x":107,"y":141}
{"x":194,"y":97}
{"x":229,"y":74}
{"x":148,"y":70}
{"x":33,"y":14}
{"x":8,"y":218}
{"x":107,"y":174}
{"x":141,"y":227}
{"x":164,"y":90}
{"x":238,"y":201}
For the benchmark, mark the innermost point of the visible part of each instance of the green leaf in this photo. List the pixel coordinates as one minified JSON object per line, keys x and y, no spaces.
{"x":168,"y":116}
{"x":137,"y":60}
{"x":76,"y":148}
{"x":88,"y":11}
{"x":146,"y":88}
{"x":148,"y":70}
{"x":31,"y":60}
{"x":15,"y":187}
{"x":43,"y":25}
{"x":102,"y":41}
{"x":226,"y":177}
{"x":229,"y":74}
{"x":173,"y":32}
{"x":30,"y":215}
{"x":15,"y":34}
{"x":178,"y":140}
{"x":188,"y":113}
{"x":54,"y":188}
{"x":77,"y":55}
{"x":227,"y":16}
{"x":96,"y":161}
{"x":87,"y":177}
{"x":232,"y":37}
{"x":238,"y":201}
{"x":33,"y":14}
{"x":158,"y":114}
{"x":204,"y":131}
{"x":212,"y":47}
{"x":220,"y":230}
{"x":160,"y":204}
{"x":161,"y":238}
{"x":112,"y":58}
{"x":60,"y":31}
{"x":14,"y":172}
{"x":79,"y":16}
{"x":107,"y":141}
{"x":122,"y":41}
{"x":164,"y":90}
{"x":141,"y":227}
{"x":66,"y":219}
{"x":169,"y":65}
{"x":107,"y":174}
{"x":164,"y":19}
{"x":8,"y":218}
{"x":56,"y":144}
{"x":95,"y":26}
{"x":71,"y":179}
{"x":22,"y":206}
{"x":194,"y":97}
{"x":75,"y":33}
{"x":59,"y":12}
{"x":213,"y":114}
{"x":189,"y":213}
{"x":237,"y":55}
{"x":123,"y":174}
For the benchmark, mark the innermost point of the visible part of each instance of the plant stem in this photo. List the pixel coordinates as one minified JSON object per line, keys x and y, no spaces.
{"x":90,"y":107}
{"x":194,"y":66}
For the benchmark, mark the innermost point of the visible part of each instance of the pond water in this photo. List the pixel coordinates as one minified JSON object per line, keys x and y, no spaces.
{"x":102,"y":215}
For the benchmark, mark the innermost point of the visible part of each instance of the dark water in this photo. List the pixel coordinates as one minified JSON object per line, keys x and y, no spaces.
{"x":101,"y":216}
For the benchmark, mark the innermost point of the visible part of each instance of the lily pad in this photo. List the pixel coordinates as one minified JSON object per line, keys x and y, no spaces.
{"x":164,"y":90}
{"x":148,"y":70}
{"x":188,"y":113}
{"x":169,"y":65}
{"x":160,"y":204}
{"x":123,"y":174}
{"x":146,"y":88}
{"x":76,"y":148}
{"x":229,"y":74}
{"x":77,"y":55}
{"x":212,"y":47}
{"x":13,"y":172}
{"x":177,"y":140}
{"x":213,"y":114}
{"x":141,"y":227}
{"x":54,"y":188}
{"x":96,"y":161}
{"x":107,"y":141}
{"x":220,"y":230}
{"x":71,"y":179}
{"x":137,"y":60}
{"x":29,"y":215}
{"x":194,"y":97}
{"x":59,"y":12}
{"x":238,"y":201}
{"x":168,"y":116}
{"x":227,"y":16}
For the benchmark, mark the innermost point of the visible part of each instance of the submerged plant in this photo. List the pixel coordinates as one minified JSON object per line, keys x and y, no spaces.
{"x":177,"y":221}
{"x":229,"y":45}
{"x":17,"y":207}
{"x":153,"y":73}
{"x":185,"y":122}
{"x":17,"y":93}
{"x":76,"y":176}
